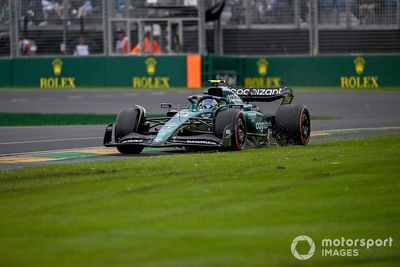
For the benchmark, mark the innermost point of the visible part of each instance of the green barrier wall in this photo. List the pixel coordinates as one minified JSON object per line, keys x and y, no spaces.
{"x":6,"y":73}
{"x":333,"y":71}
{"x":170,"y":71}
{"x":69,"y":73}
{"x":151,"y":72}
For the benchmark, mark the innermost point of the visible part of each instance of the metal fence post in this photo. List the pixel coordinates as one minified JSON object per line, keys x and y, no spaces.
{"x":105,"y":28}
{"x":202,"y":27}
{"x":348,"y":11}
{"x":314,"y":42}
{"x":64,"y":31}
{"x":398,"y":13}
{"x":13,"y":28}
{"x":297,"y":13}
{"x":247,"y":14}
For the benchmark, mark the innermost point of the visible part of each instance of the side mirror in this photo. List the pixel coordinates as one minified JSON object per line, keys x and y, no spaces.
{"x":166,"y":105}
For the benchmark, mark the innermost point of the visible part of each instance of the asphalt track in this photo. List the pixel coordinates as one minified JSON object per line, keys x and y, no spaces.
{"x":353,"y":110}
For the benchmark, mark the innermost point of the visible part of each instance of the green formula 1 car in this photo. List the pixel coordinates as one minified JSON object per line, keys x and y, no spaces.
{"x":222,"y":118}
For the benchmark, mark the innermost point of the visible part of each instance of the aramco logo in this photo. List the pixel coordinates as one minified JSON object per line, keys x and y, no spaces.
{"x":295,"y":243}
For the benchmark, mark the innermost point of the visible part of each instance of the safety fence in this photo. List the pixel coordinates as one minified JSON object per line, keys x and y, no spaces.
{"x":193,"y":71}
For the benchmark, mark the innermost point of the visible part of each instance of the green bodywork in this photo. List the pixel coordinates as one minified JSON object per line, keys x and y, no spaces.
{"x":256,"y":123}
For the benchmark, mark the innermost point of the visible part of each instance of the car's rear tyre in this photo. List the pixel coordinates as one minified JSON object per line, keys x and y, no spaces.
{"x":292,"y":125}
{"x":234,"y":118}
{"x":127,"y":122}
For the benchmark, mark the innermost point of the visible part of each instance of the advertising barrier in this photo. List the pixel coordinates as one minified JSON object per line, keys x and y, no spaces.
{"x":192,"y":71}
{"x":76,"y":72}
{"x":6,"y":77}
{"x":327,"y":71}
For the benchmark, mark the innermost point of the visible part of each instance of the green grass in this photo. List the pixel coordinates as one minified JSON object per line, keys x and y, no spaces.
{"x":205,"y":209}
{"x":38,"y":119}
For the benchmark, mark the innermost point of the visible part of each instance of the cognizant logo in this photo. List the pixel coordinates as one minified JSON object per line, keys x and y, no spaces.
{"x":296,"y":241}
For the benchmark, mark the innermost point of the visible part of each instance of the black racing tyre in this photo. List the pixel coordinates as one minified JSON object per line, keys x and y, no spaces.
{"x":130,"y":149}
{"x":292,"y":125}
{"x":127,"y":122}
{"x":235,"y":118}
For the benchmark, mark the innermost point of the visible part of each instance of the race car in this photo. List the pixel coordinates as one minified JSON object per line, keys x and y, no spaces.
{"x":222,"y":118}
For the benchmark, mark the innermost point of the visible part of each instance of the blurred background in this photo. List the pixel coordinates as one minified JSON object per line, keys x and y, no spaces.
{"x":231,"y":27}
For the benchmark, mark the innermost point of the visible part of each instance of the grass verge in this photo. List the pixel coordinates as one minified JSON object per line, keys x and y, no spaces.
{"x":38,"y":119}
{"x":205,"y":209}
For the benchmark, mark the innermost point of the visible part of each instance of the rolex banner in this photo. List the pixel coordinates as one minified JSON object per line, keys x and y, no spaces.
{"x":77,"y":72}
{"x":357,"y":72}
{"x":163,"y":72}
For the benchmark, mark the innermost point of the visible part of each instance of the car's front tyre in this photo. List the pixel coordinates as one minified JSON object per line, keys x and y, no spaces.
{"x":127,"y":122}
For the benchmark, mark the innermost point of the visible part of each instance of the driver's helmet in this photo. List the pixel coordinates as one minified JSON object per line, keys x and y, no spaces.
{"x":208,"y":103}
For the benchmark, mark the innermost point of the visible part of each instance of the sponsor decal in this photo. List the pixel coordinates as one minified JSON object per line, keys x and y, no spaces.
{"x":57,"y":82}
{"x":358,"y":80}
{"x":206,"y":115}
{"x":151,"y":65}
{"x":151,"y":81}
{"x":262,"y":80}
{"x":57,"y":66}
{"x":234,"y":98}
{"x":262,"y":67}
{"x":258,"y":91}
{"x":337,"y":247}
{"x":133,"y":141}
{"x":262,"y":125}
{"x":201,"y":142}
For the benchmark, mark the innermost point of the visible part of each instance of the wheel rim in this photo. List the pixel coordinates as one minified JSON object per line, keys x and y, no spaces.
{"x":305,"y":127}
{"x":241,"y":133}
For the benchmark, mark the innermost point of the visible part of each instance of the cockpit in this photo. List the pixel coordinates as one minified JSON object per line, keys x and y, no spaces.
{"x":208,"y":103}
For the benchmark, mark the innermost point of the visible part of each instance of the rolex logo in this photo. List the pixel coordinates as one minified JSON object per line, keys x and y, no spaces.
{"x":262,"y":67}
{"x":359,"y":64}
{"x":57,"y":66}
{"x":151,"y":65}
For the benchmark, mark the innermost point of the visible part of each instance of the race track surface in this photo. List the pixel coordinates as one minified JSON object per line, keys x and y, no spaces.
{"x":353,"y":109}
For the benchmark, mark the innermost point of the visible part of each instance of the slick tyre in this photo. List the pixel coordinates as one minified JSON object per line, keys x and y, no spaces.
{"x":127,"y":122}
{"x":234,"y":118}
{"x":292,"y":125}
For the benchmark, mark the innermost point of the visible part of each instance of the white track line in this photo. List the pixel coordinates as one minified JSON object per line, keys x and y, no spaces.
{"x":74,"y":97}
{"x":360,"y":129}
{"x":18,"y":100}
{"x":51,"y":140}
{"x":103,"y":96}
{"x":157,"y":93}
{"x":131,"y":94}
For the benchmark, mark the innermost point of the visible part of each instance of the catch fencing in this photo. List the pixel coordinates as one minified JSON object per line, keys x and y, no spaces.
{"x":173,"y":27}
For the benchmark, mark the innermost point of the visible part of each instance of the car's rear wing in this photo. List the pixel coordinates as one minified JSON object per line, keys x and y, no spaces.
{"x":265,"y":94}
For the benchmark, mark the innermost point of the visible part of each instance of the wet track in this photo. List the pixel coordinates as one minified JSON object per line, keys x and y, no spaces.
{"x":363,"y":109}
